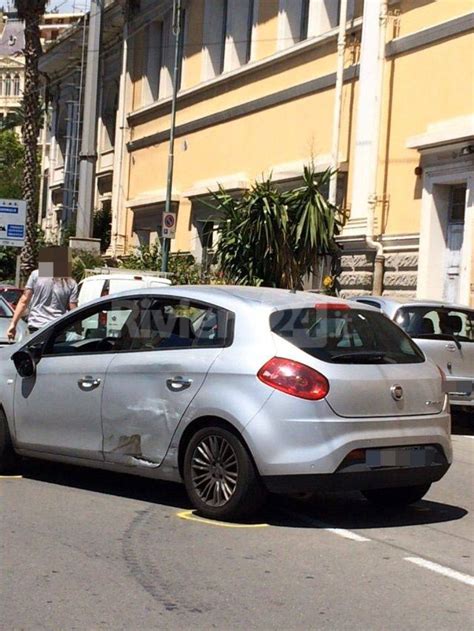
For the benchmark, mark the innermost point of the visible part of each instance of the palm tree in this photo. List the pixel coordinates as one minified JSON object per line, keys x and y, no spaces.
{"x":31,"y":12}
{"x":275,"y":238}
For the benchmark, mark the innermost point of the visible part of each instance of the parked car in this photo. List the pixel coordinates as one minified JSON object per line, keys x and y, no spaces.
{"x":6,"y":314}
{"x":445,"y":333}
{"x":11,"y":294}
{"x":105,"y":281}
{"x":233,"y":390}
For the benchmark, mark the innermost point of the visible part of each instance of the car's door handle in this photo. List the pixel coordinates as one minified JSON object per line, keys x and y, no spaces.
{"x":451,"y":346}
{"x":88,"y":383}
{"x":178,"y":383}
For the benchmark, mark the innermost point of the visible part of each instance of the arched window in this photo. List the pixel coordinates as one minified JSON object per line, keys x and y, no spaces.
{"x":8,"y":85}
{"x":16,"y":85}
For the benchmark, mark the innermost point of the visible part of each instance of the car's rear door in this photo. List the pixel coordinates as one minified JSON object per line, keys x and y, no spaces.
{"x":149,"y":388}
{"x":446,"y":336}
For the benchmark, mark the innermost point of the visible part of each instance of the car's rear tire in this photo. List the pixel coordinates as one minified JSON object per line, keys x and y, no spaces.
{"x":8,"y":457}
{"x":396,"y":497}
{"x":220,"y":477}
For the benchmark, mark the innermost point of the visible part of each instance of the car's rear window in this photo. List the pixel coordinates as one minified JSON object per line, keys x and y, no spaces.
{"x":437,"y":323}
{"x":12,"y":295}
{"x":342,"y":335}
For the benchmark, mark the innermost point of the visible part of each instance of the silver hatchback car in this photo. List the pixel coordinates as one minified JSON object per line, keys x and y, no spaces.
{"x":445,"y":332}
{"x":233,"y":390}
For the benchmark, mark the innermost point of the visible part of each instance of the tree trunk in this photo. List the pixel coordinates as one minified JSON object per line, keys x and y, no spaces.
{"x":30,"y":131}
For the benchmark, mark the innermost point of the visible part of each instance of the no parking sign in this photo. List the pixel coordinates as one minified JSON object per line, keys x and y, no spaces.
{"x":168,"y":229}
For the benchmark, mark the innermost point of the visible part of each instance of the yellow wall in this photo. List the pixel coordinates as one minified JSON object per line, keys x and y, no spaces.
{"x":421,"y":87}
{"x":419,"y":14}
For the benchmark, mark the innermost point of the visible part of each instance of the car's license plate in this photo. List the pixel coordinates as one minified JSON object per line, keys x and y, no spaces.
{"x":397,"y":457}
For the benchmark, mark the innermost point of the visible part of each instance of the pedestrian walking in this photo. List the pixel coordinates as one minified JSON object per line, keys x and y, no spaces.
{"x":49,"y":292}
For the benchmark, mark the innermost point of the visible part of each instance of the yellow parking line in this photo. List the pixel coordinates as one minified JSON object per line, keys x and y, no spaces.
{"x":10,"y":477}
{"x":190,"y":516}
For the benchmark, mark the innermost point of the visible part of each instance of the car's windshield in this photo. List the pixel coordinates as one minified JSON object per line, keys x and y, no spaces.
{"x":338,"y":334}
{"x":437,"y":322}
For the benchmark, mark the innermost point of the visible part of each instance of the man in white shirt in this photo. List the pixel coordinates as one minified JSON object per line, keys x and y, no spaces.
{"x":50,"y":291}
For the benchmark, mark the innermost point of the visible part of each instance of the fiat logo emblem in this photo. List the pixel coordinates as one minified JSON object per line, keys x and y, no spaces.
{"x":397,"y":392}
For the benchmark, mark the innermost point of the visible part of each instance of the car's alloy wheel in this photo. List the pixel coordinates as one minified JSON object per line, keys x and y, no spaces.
{"x":215,"y":470}
{"x":220,"y":476}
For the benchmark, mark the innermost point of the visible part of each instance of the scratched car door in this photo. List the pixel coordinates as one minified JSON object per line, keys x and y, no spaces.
{"x":148,"y":388}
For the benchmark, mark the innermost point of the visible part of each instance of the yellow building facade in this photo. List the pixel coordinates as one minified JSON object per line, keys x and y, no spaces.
{"x":258,"y":96}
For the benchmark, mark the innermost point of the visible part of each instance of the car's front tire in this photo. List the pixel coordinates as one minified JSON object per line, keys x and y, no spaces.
{"x":396,"y":497}
{"x":8,"y":457}
{"x":220,"y":476}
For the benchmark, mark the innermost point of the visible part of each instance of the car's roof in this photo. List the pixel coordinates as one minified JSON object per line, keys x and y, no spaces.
{"x":237,"y":294}
{"x":399,"y":302}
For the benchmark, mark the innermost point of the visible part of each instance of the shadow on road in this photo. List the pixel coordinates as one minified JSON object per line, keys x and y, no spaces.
{"x":108,"y":483}
{"x":353,"y":511}
{"x":337,"y":510}
{"x":462,"y":422}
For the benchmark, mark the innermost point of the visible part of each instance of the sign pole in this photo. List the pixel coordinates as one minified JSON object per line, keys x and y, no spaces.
{"x":17,"y":271}
{"x":177,"y":31}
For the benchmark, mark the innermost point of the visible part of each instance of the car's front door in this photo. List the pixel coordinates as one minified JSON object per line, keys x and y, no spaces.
{"x":149,"y":388}
{"x":59,"y":409}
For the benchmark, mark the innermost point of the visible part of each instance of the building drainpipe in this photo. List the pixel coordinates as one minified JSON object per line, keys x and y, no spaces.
{"x":377,"y":286}
{"x":117,"y":242}
{"x":336,"y":130}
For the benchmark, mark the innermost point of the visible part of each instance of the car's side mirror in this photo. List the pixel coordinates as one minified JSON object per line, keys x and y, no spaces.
{"x":24,"y":363}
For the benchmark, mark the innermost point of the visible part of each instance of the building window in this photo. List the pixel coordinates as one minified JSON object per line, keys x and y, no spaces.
{"x":16,"y":85}
{"x":1,"y":85}
{"x":154,"y":38}
{"x":109,"y":114}
{"x":239,"y":27}
{"x":167,"y":57}
{"x":214,"y":36}
{"x":304,"y":19}
{"x":300,"y":19}
{"x":8,"y":85}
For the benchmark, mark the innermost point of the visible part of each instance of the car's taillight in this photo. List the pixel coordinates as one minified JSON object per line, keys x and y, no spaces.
{"x":294,"y":378}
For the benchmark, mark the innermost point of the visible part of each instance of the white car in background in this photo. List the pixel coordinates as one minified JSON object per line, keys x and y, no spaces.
{"x":444,"y":332}
{"x":105,"y":281}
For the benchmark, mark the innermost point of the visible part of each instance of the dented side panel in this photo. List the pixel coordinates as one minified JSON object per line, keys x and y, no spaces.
{"x":141,"y":408}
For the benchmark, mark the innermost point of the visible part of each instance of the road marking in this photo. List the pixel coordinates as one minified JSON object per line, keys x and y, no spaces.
{"x":190,"y":516}
{"x":10,"y":477}
{"x":441,"y":569}
{"x":342,"y":532}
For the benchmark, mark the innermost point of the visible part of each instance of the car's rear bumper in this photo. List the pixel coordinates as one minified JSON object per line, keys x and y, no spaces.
{"x":291,"y":437}
{"x":355,"y":481}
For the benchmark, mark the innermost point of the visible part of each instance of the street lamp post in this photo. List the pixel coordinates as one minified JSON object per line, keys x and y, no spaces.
{"x":177,"y":32}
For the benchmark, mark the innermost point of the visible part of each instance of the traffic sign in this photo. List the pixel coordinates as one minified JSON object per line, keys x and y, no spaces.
{"x":168,"y":229}
{"x":12,"y":222}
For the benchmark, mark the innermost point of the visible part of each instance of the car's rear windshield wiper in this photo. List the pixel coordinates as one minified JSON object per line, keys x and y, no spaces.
{"x":361,"y":356}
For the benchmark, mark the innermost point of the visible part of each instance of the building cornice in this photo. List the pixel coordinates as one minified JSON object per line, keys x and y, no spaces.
{"x":430,"y":35}
{"x":244,"y":109}
{"x":162,"y":106}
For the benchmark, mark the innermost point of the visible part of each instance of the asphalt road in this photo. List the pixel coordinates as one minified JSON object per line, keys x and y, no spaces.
{"x":85,"y":550}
